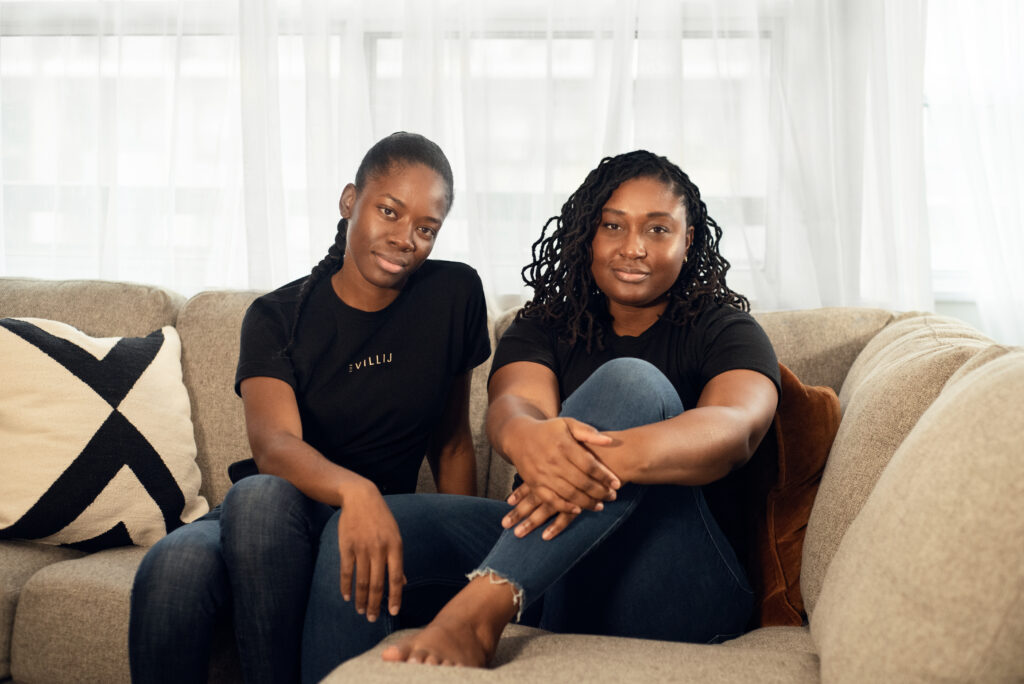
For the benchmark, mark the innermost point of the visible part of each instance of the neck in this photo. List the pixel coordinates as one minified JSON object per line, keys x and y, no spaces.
{"x":359,"y":294}
{"x":632,"y":321}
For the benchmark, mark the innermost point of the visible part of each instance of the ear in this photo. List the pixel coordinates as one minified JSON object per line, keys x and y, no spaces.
{"x":347,"y":201}
{"x":689,"y":238}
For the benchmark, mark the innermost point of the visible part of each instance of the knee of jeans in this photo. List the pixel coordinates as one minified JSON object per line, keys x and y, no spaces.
{"x":630,"y":391}
{"x":257,"y":505}
{"x":180,"y":570}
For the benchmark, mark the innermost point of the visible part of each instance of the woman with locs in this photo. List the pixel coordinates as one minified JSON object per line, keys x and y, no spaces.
{"x":630,"y":323}
{"x":348,"y":377}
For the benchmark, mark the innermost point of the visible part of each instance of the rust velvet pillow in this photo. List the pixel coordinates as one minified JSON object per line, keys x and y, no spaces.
{"x":805,"y":426}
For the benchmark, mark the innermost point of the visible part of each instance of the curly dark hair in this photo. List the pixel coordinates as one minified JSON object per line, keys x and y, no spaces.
{"x":396,"y":149}
{"x":565,"y":295}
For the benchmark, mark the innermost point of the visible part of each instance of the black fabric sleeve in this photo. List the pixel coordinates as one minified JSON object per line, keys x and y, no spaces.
{"x":476,"y":341}
{"x":735,"y":341}
{"x":264,"y":335}
{"x":525,"y":340}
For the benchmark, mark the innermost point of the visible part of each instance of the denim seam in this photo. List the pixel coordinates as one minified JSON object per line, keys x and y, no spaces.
{"x":721,"y":555}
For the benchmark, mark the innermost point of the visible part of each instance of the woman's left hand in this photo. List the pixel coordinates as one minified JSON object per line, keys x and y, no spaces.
{"x":531,"y":511}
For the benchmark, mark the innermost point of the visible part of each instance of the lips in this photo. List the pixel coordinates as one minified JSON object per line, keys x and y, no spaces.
{"x":390,"y":264}
{"x":630,"y":275}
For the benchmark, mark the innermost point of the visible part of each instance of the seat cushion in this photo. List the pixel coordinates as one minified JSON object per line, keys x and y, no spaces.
{"x":18,"y":562}
{"x":72,"y":621}
{"x":532,"y":655}
{"x":927,"y":584}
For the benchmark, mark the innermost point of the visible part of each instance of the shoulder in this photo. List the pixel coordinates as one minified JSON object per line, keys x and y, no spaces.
{"x":284,"y":298}
{"x":452,"y":272}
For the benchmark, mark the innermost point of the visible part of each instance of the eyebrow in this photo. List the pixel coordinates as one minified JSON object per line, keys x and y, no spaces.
{"x":652,"y":214}
{"x":401,"y":204}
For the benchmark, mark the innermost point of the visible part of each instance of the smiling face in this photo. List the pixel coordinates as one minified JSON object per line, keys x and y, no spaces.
{"x":638,"y":251}
{"x":393,"y":221}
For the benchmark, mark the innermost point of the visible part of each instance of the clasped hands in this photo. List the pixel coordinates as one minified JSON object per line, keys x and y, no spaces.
{"x":561,"y":475}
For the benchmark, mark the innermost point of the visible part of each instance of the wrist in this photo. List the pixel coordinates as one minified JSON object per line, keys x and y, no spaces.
{"x":513,"y":434}
{"x":354,"y":488}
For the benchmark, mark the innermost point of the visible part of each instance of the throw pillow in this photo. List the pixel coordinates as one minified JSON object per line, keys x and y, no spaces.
{"x":806,"y":423}
{"x":98,"y":447}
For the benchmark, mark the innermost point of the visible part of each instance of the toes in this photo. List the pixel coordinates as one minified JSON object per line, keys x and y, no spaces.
{"x":394,"y":654}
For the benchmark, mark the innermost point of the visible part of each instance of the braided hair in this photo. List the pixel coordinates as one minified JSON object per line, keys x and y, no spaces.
{"x":565,"y":295}
{"x":397,"y":149}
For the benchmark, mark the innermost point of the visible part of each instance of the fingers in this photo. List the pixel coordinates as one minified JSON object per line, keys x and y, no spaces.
{"x":378,"y":568}
{"x":362,"y":581}
{"x":537,"y":518}
{"x":348,"y":561}
{"x":561,"y":521}
{"x":530,"y":503}
{"x":520,"y":493}
{"x":396,"y":579}
{"x":587,"y":434}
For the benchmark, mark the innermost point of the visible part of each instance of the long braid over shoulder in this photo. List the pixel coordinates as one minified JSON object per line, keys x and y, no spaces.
{"x":564,"y":292}
{"x":397,"y":149}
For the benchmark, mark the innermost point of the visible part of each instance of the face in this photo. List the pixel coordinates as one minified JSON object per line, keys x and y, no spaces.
{"x":640,"y":246}
{"x":393,"y":222}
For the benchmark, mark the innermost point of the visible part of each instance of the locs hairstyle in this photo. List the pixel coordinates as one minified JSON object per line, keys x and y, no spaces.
{"x":398,"y":149}
{"x":564,"y":293}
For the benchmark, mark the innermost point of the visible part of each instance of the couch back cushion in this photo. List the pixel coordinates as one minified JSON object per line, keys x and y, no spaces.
{"x":926,"y":584}
{"x":892,"y":382}
{"x":96,"y":307}
{"x":209,"y":325}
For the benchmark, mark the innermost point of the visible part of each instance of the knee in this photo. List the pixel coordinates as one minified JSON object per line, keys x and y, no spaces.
{"x":183,"y":569}
{"x":624,"y":393}
{"x":259,"y":507}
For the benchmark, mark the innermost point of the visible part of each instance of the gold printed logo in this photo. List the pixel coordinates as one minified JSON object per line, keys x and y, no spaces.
{"x":375,"y":360}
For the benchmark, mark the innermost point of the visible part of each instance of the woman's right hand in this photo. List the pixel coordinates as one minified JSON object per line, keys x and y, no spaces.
{"x":552,"y":457}
{"x":370,"y":546}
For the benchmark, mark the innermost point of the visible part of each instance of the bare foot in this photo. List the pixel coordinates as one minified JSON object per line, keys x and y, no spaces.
{"x":465,"y":632}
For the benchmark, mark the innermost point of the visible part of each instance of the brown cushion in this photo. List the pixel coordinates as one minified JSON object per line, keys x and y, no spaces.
{"x":805,"y":425}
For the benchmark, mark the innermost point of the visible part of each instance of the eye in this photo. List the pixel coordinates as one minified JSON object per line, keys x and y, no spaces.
{"x":428,"y":231}
{"x":388,"y":211}
{"x":659,"y":229}
{"x":610,"y":226}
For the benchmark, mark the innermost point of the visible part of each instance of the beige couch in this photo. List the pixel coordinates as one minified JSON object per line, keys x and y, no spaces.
{"x":913,"y":565}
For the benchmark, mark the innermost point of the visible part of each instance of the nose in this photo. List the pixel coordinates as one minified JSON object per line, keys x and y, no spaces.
{"x":402,"y":236}
{"x":633,"y":246}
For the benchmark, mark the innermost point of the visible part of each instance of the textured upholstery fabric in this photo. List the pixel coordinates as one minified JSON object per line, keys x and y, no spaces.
{"x":892,"y":382}
{"x":790,"y":639}
{"x":21,"y":560}
{"x":819,"y":345}
{"x":927,"y":584}
{"x":209,"y":325}
{"x":532,"y":655}
{"x":98,"y":308}
{"x":72,"y":621}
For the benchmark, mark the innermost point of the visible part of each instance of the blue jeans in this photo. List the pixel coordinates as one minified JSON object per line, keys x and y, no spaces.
{"x":652,"y":564}
{"x":250,"y":560}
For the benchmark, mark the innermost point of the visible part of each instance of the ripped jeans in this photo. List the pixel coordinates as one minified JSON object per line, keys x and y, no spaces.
{"x":653,"y":564}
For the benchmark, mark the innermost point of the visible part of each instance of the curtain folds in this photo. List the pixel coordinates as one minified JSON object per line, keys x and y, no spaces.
{"x":200,"y":145}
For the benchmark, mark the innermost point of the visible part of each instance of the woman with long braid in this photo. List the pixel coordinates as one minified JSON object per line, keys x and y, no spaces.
{"x":631,"y":322}
{"x":348,"y":377}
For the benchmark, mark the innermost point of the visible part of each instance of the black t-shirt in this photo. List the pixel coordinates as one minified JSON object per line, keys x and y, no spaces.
{"x":371,"y":386}
{"x":718,"y":340}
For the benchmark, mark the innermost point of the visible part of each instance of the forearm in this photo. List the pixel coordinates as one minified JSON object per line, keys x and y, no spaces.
{"x":694,"y":448}
{"x":289,"y":457}
{"x":505,"y":416}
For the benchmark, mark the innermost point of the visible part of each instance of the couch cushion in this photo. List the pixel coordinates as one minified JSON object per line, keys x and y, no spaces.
{"x":96,"y":307}
{"x":819,"y":345}
{"x":98,"y":438}
{"x":927,"y":583}
{"x":72,"y":621}
{"x":786,"y":638}
{"x":209,"y":325}
{"x":532,"y":655}
{"x":892,"y":382}
{"x":18,"y":562}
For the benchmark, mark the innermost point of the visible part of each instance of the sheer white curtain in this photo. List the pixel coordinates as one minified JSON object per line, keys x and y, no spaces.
{"x":975,"y":112}
{"x":197,"y":144}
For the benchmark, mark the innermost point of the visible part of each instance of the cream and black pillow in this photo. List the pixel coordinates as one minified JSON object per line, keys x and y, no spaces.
{"x":96,"y":441}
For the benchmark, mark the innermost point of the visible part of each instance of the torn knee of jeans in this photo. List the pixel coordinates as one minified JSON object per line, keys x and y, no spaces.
{"x":518,"y":595}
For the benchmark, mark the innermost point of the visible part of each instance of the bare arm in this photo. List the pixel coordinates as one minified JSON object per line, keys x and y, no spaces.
{"x":451,"y":454}
{"x":548,"y":451}
{"x":700,"y":445}
{"x":368,"y":537}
